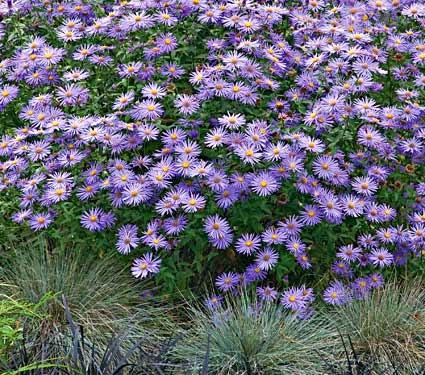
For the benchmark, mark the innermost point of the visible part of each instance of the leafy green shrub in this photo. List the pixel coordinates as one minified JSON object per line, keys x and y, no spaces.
{"x":244,"y":336}
{"x":12,"y":314}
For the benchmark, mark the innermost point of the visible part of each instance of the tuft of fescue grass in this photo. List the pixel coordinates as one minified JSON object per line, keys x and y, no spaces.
{"x":102,"y":295}
{"x":387,"y":329}
{"x":244,"y":336}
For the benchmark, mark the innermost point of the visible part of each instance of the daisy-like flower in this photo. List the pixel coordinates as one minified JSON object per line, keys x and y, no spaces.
{"x":39,"y":150}
{"x":147,"y":109}
{"x":381,"y":257}
{"x":293,"y":299}
{"x":254,"y":273}
{"x":144,"y":266}
{"x":7,"y":94}
{"x":215,"y":138}
{"x":325,"y":167}
{"x":336,"y":294}
{"x":40,"y":221}
{"x":213,"y":302}
{"x":193,"y":203}
{"x":186,"y":104}
{"x":227,"y":281}
{"x":352,"y":205}
{"x":248,"y":244}
{"x":166,"y":42}
{"x":232,"y":121}
{"x":360,"y":287}
{"x":311,"y":215}
{"x":127,"y":238}
{"x":216,"y":227}
{"x":267,"y":293}
{"x":94,"y":220}
{"x":123,"y":100}
{"x":264,"y":184}
{"x":266,"y":259}
{"x":135,"y":193}
{"x":154,"y":91}
{"x":175,"y":225}
{"x":248,"y":153}
{"x":72,"y":94}
{"x":376,"y":280}
{"x":50,"y":56}
{"x":349,"y":253}
{"x":21,"y":216}
{"x":312,"y":145}
{"x":364,"y":185}
{"x":272,"y":236}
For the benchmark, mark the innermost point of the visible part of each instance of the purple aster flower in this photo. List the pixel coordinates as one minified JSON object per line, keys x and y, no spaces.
{"x":145,"y":265}
{"x":381,"y":257}
{"x":88,"y":190}
{"x":147,"y":109}
{"x":227,"y":281}
{"x":311,"y":215}
{"x":7,"y":94}
{"x":349,"y":253}
{"x":264,"y":184}
{"x":93,"y":220}
{"x":291,"y":226}
{"x":223,"y":242}
{"x":227,"y":197}
{"x":21,"y":216}
{"x":341,"y":268}
{"x":267,"y":293}
{"x":293,"y":299}
{"x":39,"y":150}
{"x":214,"y":302}
{"x":304,"y":261}
{"x":40,"y":221}
{"x":248,"y":244}
{"x":254,"y":273}
{"x":336,"y":294}
{"x":312,"y":145}
{"x":352,"y":205}
{"x":216,"y":227}
{"x":127,"y":238}
{"x":123,"y":100}
{"x":193,"y":203}
{"x":295,"y":245}
{"x":360,"y":287}
{"x":172,"y":70}
{"x":135,"y":193}
{"x":376,"y":280}
{"x":273,"y":236}
{"x":364,"y":185}
{"x":267,"y":258}
{"x":186,"y":104}
{"x":175,"y":225}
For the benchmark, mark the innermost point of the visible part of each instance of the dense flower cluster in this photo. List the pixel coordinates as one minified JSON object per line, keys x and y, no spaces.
{"x":123,"y":101}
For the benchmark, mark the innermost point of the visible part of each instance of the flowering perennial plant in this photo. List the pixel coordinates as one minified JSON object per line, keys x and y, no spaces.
{"x":273,"y":132}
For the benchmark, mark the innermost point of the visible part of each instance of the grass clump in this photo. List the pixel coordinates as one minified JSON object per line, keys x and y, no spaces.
{"x":244,"y":336}
{"x":103,"y":297}
{"x":387,"y":329}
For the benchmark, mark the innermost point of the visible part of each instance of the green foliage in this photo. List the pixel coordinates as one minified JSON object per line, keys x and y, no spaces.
{"x":12,"y":314}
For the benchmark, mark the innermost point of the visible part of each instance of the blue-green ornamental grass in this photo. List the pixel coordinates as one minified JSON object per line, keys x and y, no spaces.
{"x":248,"y":336}
{"x":259,"y":142}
